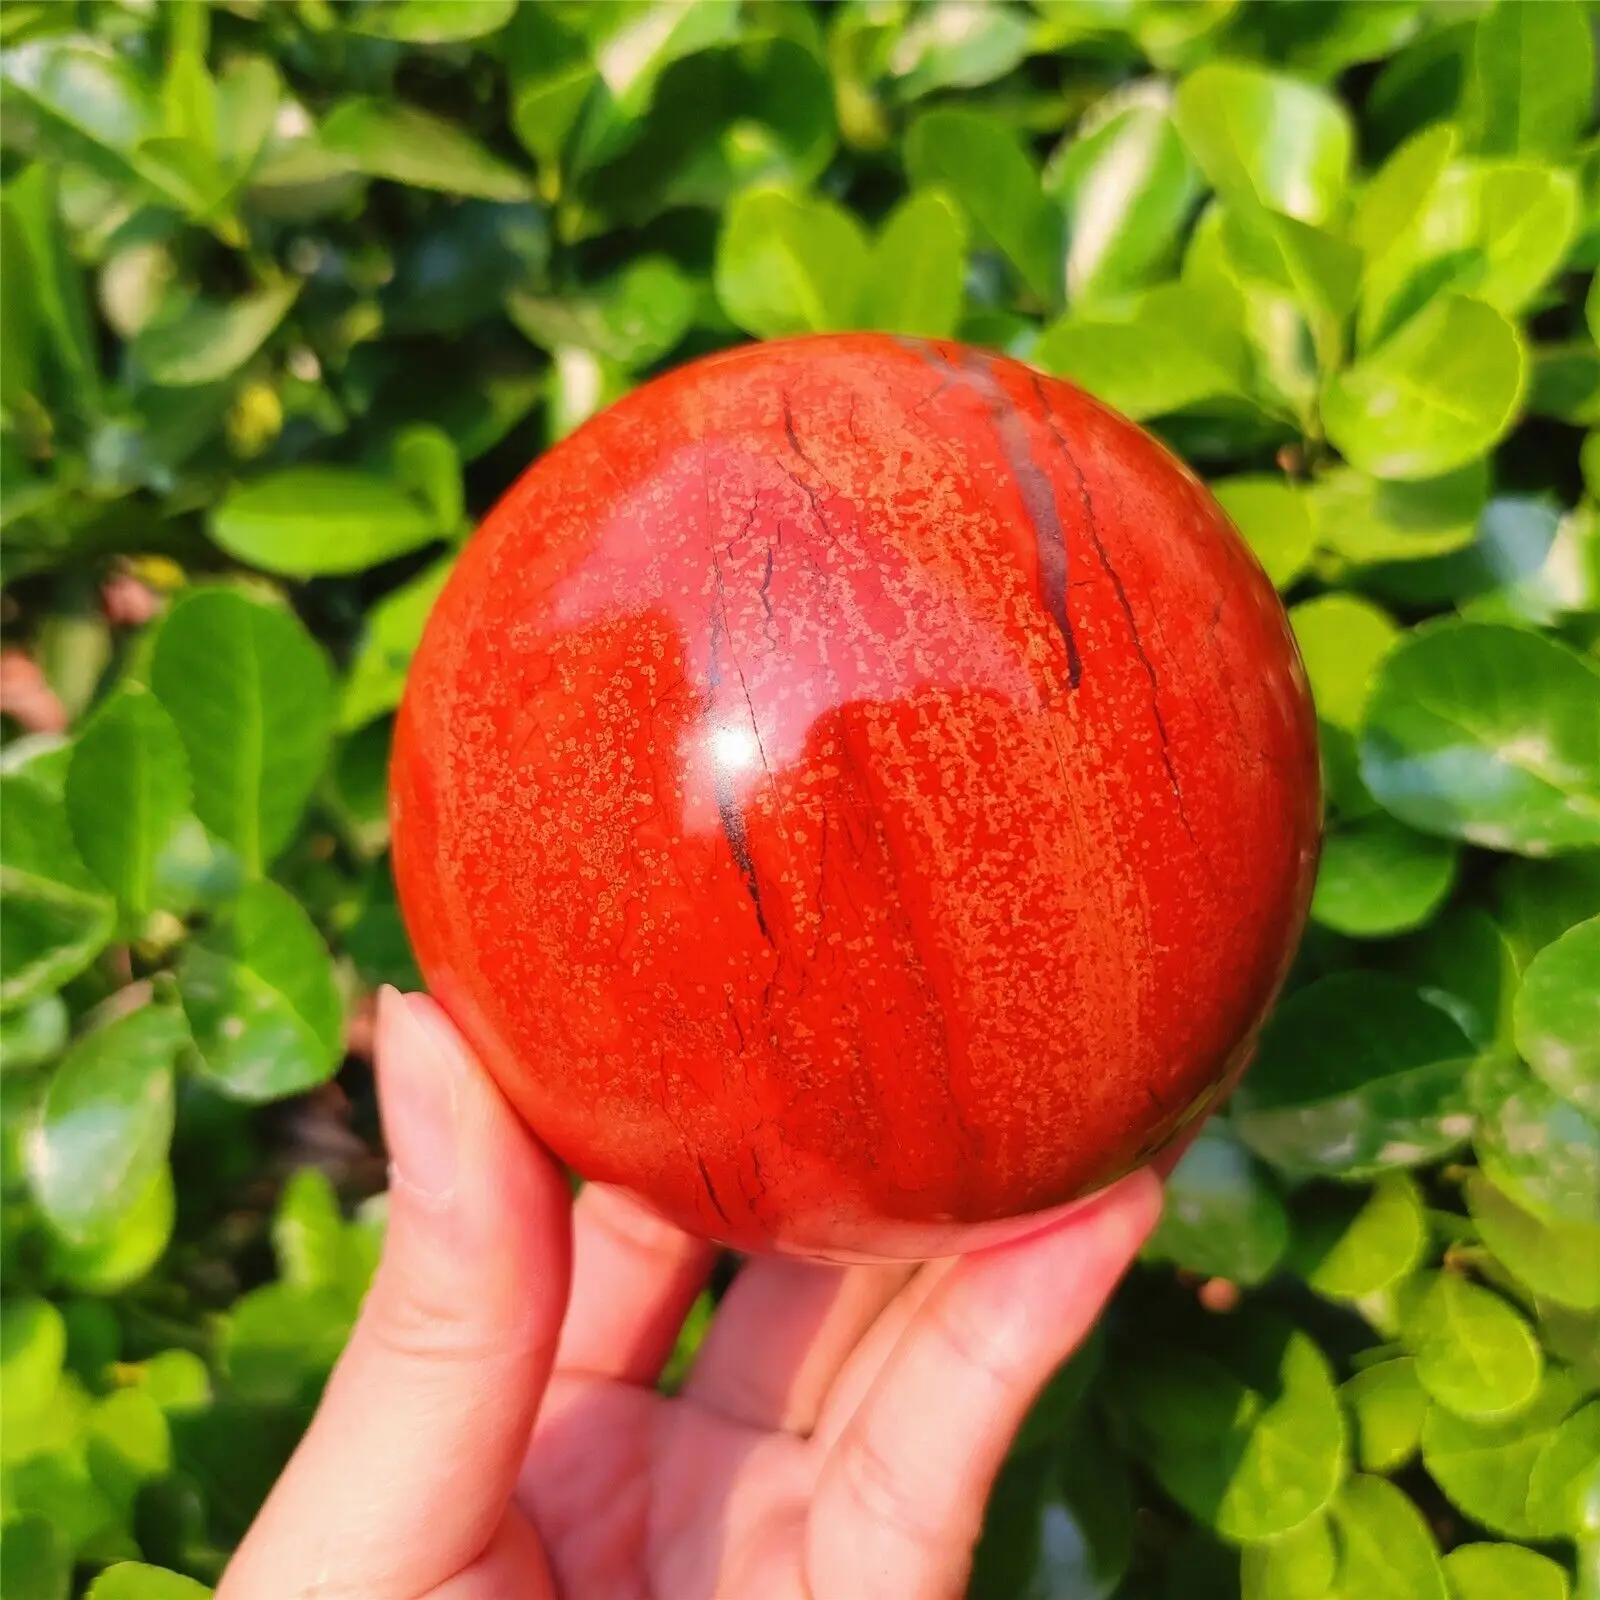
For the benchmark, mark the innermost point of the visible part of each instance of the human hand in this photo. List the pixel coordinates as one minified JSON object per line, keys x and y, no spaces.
{"x":494,"y":1430}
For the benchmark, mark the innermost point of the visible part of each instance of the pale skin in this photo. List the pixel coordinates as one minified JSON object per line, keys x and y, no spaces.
{"x":493,"y":1429}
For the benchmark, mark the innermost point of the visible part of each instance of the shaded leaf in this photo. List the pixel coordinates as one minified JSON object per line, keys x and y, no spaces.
{"x":127,"y":791}
{"x":1377,"y":878}
{"x":1389,"y":1405}
{"x":387,"y":140}
{"x":1386,"y":1550}
{"x":1354,"y":1075}
{"x":1560,"y":1261}
{"x":209,"y":341}
{"x":635,"y":317}
{"x":1557,"y":1016}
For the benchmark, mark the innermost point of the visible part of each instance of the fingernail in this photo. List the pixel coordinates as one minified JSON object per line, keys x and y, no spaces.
{"x":419,"y":1074}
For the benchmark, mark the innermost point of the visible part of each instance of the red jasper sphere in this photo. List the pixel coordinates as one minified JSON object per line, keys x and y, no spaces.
{"x":855,"y":793}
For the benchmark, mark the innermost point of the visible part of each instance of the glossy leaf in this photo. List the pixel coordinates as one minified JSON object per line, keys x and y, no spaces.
{"x":308,"y":520}
{"x":412,"y":147}
{"x":1564,"y":1470}
{"x":258,"y":990}
{"x":33,"y":1034}
{"x":1560,"y":1261}
{"x":1533,"y":69}
{"x":978,"y":162}
{"x":1542,"y":1151}
{"x":252,"y":698}
{"x":1275,"y":519}
{"x":1378,"y":878}
{"x":1349,"y":1250}
{"x":127,"y":791}
{"x":1431,"y":398}
{"x":1487,"y":733}
{"x":1222,"y":1216}
{"x":788,"y":264}
{"x":1389,"y":1405}
{"x":1271,"y":138}
{"x":915,"y":274}
{"x":1386,"y":1550}
{"x":1251,"y":1448}
{"x":1485,"y":1467}
{"x":1128,"y":187}
{"x":106,"y":1121}
{"x":1493,"y":1571}
{"x":1474,"y":1354}
{"x":121,"y":1251}
{"x":1354,"y":1075}
{"x":1557,"y":1016}
{"x":54,"y":916}
{"x":33,"y":1348}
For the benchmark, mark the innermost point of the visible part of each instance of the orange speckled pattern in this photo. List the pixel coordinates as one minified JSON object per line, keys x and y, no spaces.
{"x":857,"y":792}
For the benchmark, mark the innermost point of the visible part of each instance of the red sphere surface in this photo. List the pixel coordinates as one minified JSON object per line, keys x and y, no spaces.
{"x":854,"y":793}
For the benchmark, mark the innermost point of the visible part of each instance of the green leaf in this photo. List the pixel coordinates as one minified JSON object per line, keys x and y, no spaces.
{"x":1487,"y":733}
{"x":106,"y":1122}
{"x":133,"y":1580}
{"x":127,"y":791}
{"x":1540,"y":1150}
{"x":308,"y":520}
{"x":1559,"y":1261}
{"x":33,"y":1348}
{"x":951,"y":44}
{"x":1533,"y":69}
{"x":1557,"y":1016}
{"x":789,"y":264}
{"x":1389,"y":1406}
{"x":55,"y":918}
{"x":1274,"y":517}
{"x":1537,"y":901}
{"x":977,"y":160}
{"x":1438,"y":393}
{"x":429,"y":21}
{"x":1386,"y":1551}
{"x":35,"y":1558}
{"x":123,"y":1249}
{"x":1349,"y":1248}
{"x":1378,"y":878}
{"x":1493,"y":1571}
{"x":258,"y":990}
{"x":1314,"y":268}
{"x":1184,"y":344}
{"x":1399,"y":192}
{"x":279,"y":1342}
{"x":635,"y":317}
{"x":1253,"y":1447}
{"x":207,"y":342}
{"x":1298,"y":1565}
{"x":1222,"y":1217}
{"x":1366,"y":520}
{"x":1128,"y":188}
{"x":253,"y":700}
{"x":1563,"y":1470}
{"x":428,"y":467}
{"x":1268,"y":137}
{"x":387,"y":140}
{"x":914,"y":276}
{"x":389,"y":638}
{"x":1485,"y":1467}
{"x":1474,"y":1354}
{"x":34,"y":1034}
{"x":1342,"y":640}
{"x":1354,"y":1075}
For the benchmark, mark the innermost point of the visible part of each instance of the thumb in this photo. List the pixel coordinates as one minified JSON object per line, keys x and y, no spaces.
{"x":406,"y":1472}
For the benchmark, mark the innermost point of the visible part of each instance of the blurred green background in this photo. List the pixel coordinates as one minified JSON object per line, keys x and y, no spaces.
{"x":292,"y":292}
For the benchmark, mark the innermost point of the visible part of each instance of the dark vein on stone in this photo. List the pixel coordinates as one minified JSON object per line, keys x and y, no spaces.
{"x":1092,"y":529}
{"x":711,"y":1190}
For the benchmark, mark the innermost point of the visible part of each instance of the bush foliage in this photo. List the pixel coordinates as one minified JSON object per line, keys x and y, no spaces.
{"x":293,"y":291}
